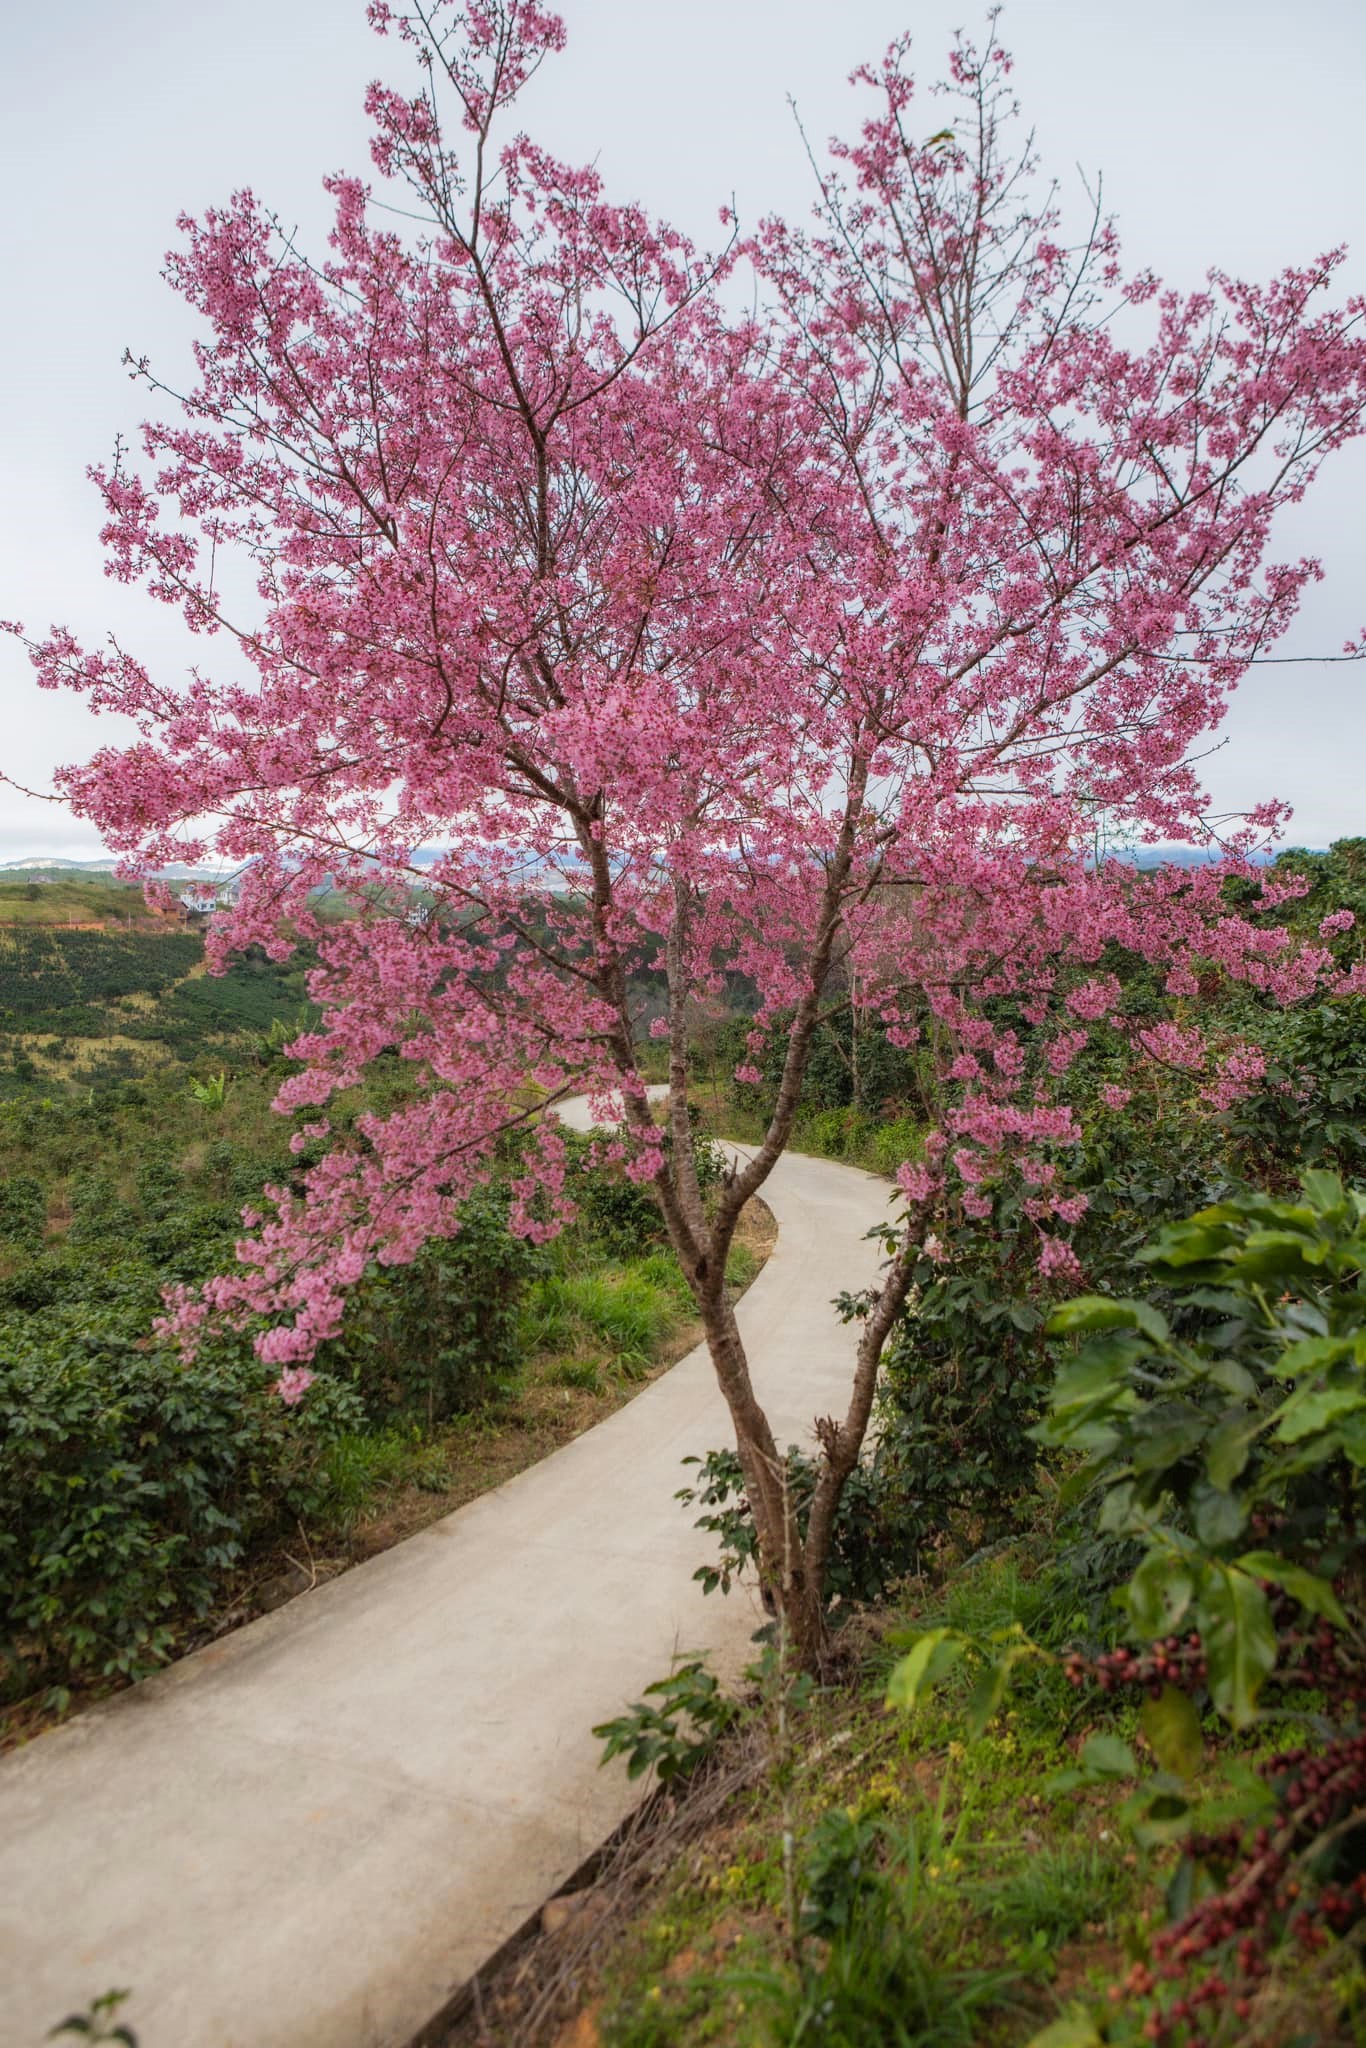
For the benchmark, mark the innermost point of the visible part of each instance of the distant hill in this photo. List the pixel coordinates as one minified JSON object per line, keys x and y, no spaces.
{"x":1180,"y":856}
{"x":71,"y":897}
{"x":39,"y":870}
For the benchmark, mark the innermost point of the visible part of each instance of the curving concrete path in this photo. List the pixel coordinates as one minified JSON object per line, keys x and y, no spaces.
{"x":310,"y":1834}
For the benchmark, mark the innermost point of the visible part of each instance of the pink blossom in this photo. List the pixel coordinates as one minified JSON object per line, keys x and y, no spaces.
{"x":916,"y":1182}
{"x":1064,"y":1050}
{"x":1058,"y":1261}
{"x":1174,"y":1046}
{"x":293,"y":1383}
{"x":1093,"y":998}
{"x":1113,"y":1096}
{"x":727,"y":626}
{"x":1238,"y":1076}
{"x":1337,"y":921}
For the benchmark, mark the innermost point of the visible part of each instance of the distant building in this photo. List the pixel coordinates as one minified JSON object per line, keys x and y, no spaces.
{"x":200,"y":899}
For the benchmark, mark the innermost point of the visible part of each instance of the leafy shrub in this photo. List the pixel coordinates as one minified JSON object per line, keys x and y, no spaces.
{"x":892,"y":1143}
{"x":834,"y":1133}
{"x":1225,"y":1431}
{"x":23,"y":1210}
{"x":132,"y":1485}
{"x":1240,"y":1413}
{"x":1312,"y":1109}
{"x":968,"y":1368}
{"x":617,"y":1213}
{"x":875,"y":1540}
{"x":965,"y":1373}
{"x":673,"y":1727}
{"x":97,"y":1210}
{"x":439,"y":1335}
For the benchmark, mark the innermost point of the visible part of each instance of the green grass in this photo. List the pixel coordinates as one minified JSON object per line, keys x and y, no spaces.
{"x":584,"y":1374}
{"x":1053,"y":1896}
{"x":624,"y":1310}
{"x":357,"y":1471}
{"x":70,"y":901}
{"x":974,"y":1900}
{"x":596,"y":1315}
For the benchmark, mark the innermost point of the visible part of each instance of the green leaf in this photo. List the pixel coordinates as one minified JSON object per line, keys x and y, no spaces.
{"x":1168,"y":1434}
{"x":1165,"y":1817}
{"x":1324,"y":1189}
{"x":1218,"y":1517}
{"x":1107,"y":1757}
{"x":931,"y":1660}
{"x":1234,"y":1379}
{"x":1187,"y":1244}
{"x":1089,"y":1379}
{"x":988,"y":1693}
{"x":1312,"y":1354}
{"x":1227,"y":1451}
{"x":1314,"y":1409}
{"x":1101,"y":1312}
{"x":1159,"y":1594}
{"x":1172,"y":1728}
{"x":1313,"y":1593}
{"x":1078,"y":2032}
{"x":1240,"y":1642}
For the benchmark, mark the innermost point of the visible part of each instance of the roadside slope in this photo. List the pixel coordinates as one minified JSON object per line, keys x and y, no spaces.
{"x":308,"y":1834}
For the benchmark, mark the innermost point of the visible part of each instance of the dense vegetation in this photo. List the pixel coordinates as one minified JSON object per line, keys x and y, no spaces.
{"x":149,"y":1499}
{"x":1104,"y":1565}
{"x":1103,"y":1561}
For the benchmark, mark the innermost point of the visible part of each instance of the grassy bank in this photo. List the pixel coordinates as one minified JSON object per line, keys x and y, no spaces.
{"x":840,"y":1873}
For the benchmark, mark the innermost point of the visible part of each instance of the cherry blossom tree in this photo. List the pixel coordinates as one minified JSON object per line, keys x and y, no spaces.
{"x":814,"y":646}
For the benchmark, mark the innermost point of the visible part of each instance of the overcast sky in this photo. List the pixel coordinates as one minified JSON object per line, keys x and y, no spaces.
{"x":1229,"y":132}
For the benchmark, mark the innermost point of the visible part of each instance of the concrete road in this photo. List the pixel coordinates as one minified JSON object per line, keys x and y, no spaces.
{"x":309,"y":1834}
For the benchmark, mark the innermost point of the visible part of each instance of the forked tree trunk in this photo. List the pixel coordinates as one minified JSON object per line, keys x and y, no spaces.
{"x":794,"y":1566}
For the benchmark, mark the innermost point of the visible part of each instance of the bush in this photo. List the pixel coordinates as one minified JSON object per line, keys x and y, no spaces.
{"x":874,"y":1543}
{"x":893,"y":1143}
{"x":834,"y":1133}
{"x":1312,"y":1109}
{"x":967,"y":1369}
{"x":23,"y":1210}
{"x":133,"y":1486}
{"x":965,"y":1374}
{"x":438,"y":1336}
{"x":619,"y":1214}
{"x":1228,"y":1434}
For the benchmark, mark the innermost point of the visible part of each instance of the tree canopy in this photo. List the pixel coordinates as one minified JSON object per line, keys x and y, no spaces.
{"x":827,"y":643}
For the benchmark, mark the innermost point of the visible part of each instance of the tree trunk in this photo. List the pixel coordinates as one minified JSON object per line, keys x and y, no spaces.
{"x":793,"y":1568}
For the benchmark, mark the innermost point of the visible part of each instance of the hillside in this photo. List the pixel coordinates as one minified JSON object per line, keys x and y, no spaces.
{"x":96,"y":988}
